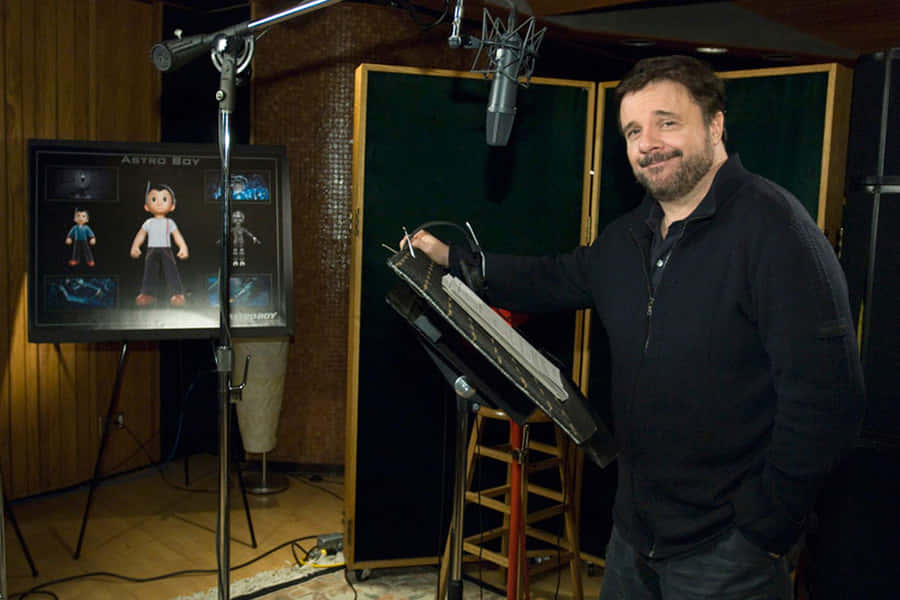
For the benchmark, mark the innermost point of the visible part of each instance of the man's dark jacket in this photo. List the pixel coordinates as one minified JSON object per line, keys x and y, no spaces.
{"x":736,"y":386}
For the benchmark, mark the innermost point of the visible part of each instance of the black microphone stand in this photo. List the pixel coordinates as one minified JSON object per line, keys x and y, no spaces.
{"x":232,"y":50}
{"x":226,"y":52}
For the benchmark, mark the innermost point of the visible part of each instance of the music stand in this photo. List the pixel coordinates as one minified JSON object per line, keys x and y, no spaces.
{"x":471,"y":391}
{"x":477,"y":368}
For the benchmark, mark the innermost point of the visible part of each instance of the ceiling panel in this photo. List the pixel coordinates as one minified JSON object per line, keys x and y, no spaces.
{"x":863,"y":26}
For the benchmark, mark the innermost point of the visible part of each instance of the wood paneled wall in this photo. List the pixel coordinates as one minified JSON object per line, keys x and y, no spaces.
{"x":70,"y":69}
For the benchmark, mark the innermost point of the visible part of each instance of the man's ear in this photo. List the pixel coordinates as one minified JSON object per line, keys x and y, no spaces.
{"x":717,"y":127}
{"x":146,"y":208}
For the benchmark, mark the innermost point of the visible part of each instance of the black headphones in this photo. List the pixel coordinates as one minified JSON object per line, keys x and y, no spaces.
{"x":473,"y":270}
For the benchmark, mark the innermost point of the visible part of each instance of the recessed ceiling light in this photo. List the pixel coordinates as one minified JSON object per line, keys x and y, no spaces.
{"x":711,"y":50}
{"x":638,"y":43}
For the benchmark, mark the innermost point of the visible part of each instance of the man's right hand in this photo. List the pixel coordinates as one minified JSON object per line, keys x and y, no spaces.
{"x":436,"y":250}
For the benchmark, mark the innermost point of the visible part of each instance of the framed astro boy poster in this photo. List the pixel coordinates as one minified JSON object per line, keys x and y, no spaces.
{"x":125,"y":241}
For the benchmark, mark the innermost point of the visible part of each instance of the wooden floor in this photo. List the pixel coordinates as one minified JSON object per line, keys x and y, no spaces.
{"x":143,"y":526}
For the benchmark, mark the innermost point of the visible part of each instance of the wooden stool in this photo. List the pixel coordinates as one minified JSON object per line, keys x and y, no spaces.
{"x":523,"y":458}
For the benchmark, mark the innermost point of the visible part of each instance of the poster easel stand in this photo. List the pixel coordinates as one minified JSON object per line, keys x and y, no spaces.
{"x":95,"y":478}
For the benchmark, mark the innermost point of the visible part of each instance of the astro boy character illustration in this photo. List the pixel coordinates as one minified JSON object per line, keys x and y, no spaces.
{"x":238,"y":232}
{"x":81,"y":238}
{"x":159,"y":230}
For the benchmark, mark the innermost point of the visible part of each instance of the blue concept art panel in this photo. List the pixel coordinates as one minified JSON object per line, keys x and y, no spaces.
{"x":247,"y":186}
{"x":123,"y":238}
{"x":245,"y":290}
{"x":79,"y":293}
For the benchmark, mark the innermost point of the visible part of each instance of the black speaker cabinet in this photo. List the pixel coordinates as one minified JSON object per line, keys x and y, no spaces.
{"x":871,"y":247}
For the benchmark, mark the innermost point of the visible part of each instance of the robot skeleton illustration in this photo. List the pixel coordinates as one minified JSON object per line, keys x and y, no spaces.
{"x":238,"y":232}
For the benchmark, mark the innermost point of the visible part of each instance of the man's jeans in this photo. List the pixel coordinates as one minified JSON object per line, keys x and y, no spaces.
{"x":730,"y":568}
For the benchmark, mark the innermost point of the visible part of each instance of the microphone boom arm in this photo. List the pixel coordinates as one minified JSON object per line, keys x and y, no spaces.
{"x":174,"y":54}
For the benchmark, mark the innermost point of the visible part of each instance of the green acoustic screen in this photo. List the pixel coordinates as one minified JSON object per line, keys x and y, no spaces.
{"x":426,"y":159}
{"x":777,"y":125}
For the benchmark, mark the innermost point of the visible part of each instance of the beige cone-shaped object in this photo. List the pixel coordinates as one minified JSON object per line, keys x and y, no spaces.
{"x":260,"y":407}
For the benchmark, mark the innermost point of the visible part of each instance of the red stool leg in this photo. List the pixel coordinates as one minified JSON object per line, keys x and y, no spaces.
{"x":515,"y":513}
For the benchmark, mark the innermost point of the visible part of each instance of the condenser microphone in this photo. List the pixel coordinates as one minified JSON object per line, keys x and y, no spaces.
{"x":510,"y":52}
{"x":501,"y":108}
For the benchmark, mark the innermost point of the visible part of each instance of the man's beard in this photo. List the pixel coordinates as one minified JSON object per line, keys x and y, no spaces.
{"x":683,"y":180}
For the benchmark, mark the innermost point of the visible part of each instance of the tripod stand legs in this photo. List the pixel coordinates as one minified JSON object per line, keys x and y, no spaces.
{"x":95,"y":479}
{"x":240,"y":478}
{"x":12,"y":519}
{"x":4,"y":511}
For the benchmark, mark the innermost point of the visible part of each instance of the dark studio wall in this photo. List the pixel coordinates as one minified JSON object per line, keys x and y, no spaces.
{"x":188,"y":107}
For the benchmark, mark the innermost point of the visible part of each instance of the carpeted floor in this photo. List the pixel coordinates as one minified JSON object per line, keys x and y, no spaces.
{"x":309,"y":583}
